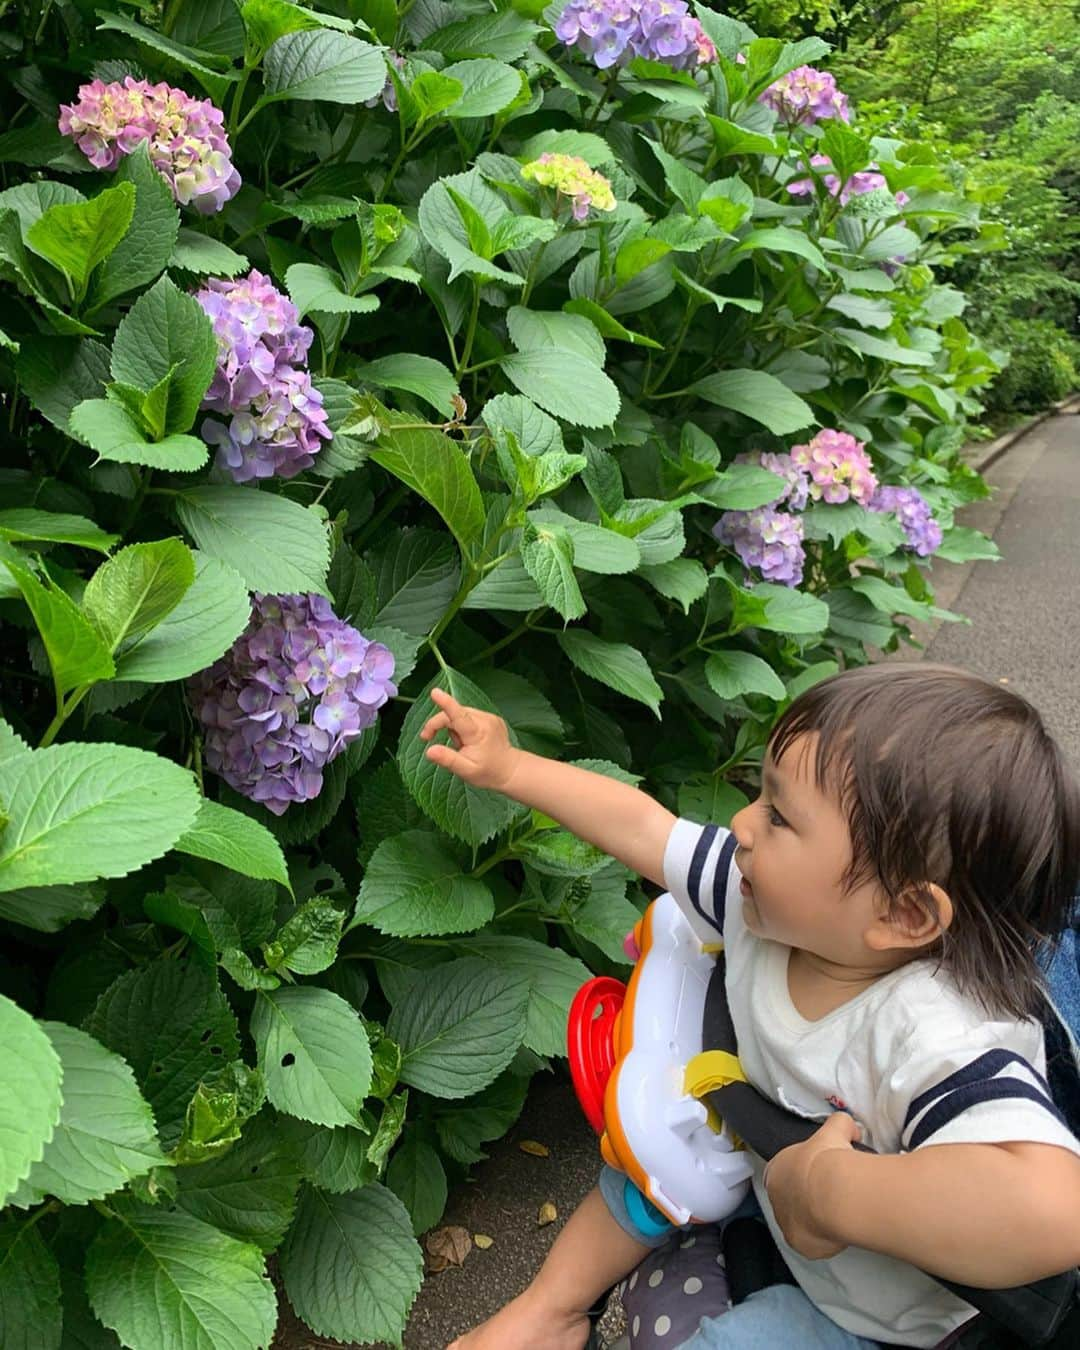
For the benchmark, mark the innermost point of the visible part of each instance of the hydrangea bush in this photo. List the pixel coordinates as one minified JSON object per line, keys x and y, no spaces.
{"x":590,"y":364}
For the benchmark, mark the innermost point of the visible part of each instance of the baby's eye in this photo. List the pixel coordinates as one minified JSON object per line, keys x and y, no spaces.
{"x":774,"y":816}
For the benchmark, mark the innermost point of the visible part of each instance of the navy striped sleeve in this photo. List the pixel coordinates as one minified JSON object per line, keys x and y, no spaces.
{"x":697,"y":869}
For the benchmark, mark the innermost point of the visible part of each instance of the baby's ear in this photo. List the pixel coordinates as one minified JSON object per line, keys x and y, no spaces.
{"x":919,"y":916}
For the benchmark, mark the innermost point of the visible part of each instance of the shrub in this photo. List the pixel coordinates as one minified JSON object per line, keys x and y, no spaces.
{"x":611,"y":396}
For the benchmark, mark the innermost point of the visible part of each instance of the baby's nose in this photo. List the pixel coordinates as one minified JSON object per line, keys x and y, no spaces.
{"x":740,"y":828}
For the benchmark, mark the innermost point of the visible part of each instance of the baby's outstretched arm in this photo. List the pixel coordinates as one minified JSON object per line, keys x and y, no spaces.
{"x":590,"y":1254}
{"x":615,"y":817}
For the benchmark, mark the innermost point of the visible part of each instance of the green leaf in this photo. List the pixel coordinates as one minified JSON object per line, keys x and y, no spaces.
{"x":76,"y":237}
{"x":429,"y":95}
{"x":781,"y":239}
{"x":420,"y":375}
{"x":893,"y":599}
{"x":207,"y":67}
{"x":248,"y":1192}
{"x":163,"y":1278}
{"x":732,"y":673}
{"x":487,"y":87}
{"x":170,"y":1021}
{"x":322,"y":64}
{"x":467,"y":813}
{"x":554,"y":978}
{"x":619,"y":666}
{"x":883,"y":349}
{"x":167,"y":332}
{"x":234,"y":840}
{"x":31,"y":1312}
{"x":314,"y":1052}
{"x":30,"y":1102}
{"x":49,"y":908}
{"x":596,"y":549}
{"x":741,"y":487}
{"x":114,"y":434}
{"x":564,"y":385}
{"x":351,"y":1265}
{"x":683,"y":580}
{"x":132,"y":592}
{"x":58,"y":373}
{"x":195,"y":252}
{"x":308,"y":942}
{"x":28,"y":523}
{"x":536,"y":433}
{"x":238,"y":911}
{"x":76,"y":653}
{"x":548,"y":554}
{"x":537,"y":330}
{"x":963,"y":544}
{"x":463,"y":1126}
{"x":605,"y":324}
{"x":417,"y":1178}
{"x":434,"y":467}
{"x":416,"y":576}
{"x":460,"y":1027}
{"x":506,"y":35}
{"x":332,"y":1160}
{"x":780,"y":610}
{"x":415,"y":884}
{"x":105,"y":1135}
{"x":210,"y":616}
{"x":145,"y":249}
{"x":756,"y":395}
{"x":316,"y":288}
{"x":276,"y":545}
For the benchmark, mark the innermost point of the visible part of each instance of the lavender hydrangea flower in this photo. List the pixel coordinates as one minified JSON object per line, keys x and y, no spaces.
{"x":573,"y":178}
{"x":866,"y":180}
{"x":805,"y":96}
{"x":839,"y":467}
{"x":185,"y":137}
{"x":296,"y":687}
{"x":613,"y":32}
{"x":796,"y":480}
{"x":767,"y":539}
{"x":921,"y":530}
{"x":277,"y":420}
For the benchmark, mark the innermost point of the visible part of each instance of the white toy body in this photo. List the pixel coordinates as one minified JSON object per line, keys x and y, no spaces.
{"x":667,"y":1141}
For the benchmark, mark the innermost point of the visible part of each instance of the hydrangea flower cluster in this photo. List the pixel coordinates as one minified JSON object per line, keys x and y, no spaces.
{"x":796,"y":487}
{"x":767,"y":539}
{"x":911,"y":508}
{"x":185,"y":137}
{"x":276,"y":417}
{"x":573,"y":178}
{"x":613,"y":32}
{"x":805,"y":96}
{"x":287,"y":698}
{"x":839,"y":467}
{"x":866,"y":180}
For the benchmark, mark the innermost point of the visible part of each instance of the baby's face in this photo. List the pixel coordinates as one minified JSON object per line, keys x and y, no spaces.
{"x":794,"y":847}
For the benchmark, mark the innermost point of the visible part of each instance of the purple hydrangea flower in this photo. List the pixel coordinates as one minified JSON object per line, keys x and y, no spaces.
{"x":866,"y":180}
{"x":839,"y":467}
{"x":613,"y":32}
{"x":796,"y":480}
{"x":767,"y":539}
{"x":287,"y":698}
{"x":277,"y":420}
{"x":805,"y":96}
{"x":185,"y":137}
{"x":911,"y":508}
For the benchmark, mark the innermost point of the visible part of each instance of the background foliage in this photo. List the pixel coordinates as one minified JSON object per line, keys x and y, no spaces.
{"x":230,"y":1033}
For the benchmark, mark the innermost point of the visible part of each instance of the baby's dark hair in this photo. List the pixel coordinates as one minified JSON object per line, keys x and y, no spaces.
{"x":949,"y":778}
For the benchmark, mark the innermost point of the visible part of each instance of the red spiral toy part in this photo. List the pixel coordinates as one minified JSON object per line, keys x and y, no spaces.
{"x":590,"y":1037}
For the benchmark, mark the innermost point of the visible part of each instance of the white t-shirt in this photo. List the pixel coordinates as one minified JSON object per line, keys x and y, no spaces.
{"x":914,"y":1062}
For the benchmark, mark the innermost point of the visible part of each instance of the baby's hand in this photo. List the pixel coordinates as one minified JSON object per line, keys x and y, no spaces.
{"x":481,"y":754}
{"x":792,"y":1180}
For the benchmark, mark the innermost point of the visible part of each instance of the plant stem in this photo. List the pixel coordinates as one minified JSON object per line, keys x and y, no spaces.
{"x":470,"y":333}
{"x":63,"y":712}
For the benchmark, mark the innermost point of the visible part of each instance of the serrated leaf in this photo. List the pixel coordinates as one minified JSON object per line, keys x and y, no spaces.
{"x":554,"y":978}
{"x":416,"y":576}
{"x":779,"y":609}
{"x":238,"y":910}
{"x":31,"y":1312}
{"x":732,"y":673}
{"x":460,"y":1027}
{"x":537,"y":330}
{"x":416,"y":1176}
{"x":317,"y":289}
{"x":30,"y":1102}
{"x":420,"y":375}
{"x":276,"y":545}
{"x":224,"y":836}
{"x":314,"y":1052}
{"x":84,"y":811}
{"x":76,"y":653}
{"x":144,"y":251}
{"x":322,"y":64}
{"x":536,"y":432}
{"x":616,"y":664}
{"x":163,"y":1278}
{"x":207,"y":67}
{"x":105,"y":1135}
{"x":210,"y":616}
{"x":333,"y":1160}
{"x":114,"y":434}
{"x":564,"y":385}
{"x":77,"y":236}
{"x":463,"y":1126}
{"x":138,"y":586}
{"x":351,"y":1265}
{"x":415,"y":884}
{"x":50,"y":908}
{"x":308,"y":942}
{"x":683,"y":580}
{"x":596,"y":549}
{"x":58,"y":373}
{"x":547,"y":553}
{"x":196,"y":252}
{"x":28,"y":523}
{"x":487,"y":87}
{"x":759,"y":396}
{"x":467,"y":813}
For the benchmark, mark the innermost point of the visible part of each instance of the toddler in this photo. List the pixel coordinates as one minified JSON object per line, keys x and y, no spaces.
{"x":916,"y":834}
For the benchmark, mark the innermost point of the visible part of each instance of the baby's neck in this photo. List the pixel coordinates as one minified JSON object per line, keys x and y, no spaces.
{"x":817,"y":986}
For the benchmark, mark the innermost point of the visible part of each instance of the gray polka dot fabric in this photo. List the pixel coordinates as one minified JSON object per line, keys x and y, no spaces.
{"x":673,"y":1289}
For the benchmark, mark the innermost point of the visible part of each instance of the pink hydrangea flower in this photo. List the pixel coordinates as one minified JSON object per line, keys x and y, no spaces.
{"x":185,"y":137}
{"x":866,"y":180}
{"x":839,"y":467}
{"x":805,"y":96}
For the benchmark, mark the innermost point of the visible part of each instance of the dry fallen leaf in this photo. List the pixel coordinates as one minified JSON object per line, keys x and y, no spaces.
{"x":483,"y":1241}
{"x":445,"y":1247}
{"x":548,"y":1214}
{"x":537,"y":1150}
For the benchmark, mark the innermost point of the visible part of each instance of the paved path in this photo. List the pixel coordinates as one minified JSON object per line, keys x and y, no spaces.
{"x":1025,"y":628}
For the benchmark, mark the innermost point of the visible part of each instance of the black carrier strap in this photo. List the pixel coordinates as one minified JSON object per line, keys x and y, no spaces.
{"x":1033,"y":1312}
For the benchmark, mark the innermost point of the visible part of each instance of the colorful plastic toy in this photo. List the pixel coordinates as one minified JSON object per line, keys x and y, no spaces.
{"x":639,"y":1070}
